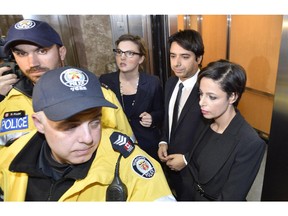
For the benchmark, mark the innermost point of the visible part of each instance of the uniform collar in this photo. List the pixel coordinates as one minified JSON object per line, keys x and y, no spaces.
{"x":32,"y":160}
{"x":25,"y":86}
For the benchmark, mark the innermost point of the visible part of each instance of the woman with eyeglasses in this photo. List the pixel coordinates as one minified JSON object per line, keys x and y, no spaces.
{"x":140,"y":94}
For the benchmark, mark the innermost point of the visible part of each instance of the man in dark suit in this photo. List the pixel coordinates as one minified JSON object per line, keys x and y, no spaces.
{"x":186,"y":54}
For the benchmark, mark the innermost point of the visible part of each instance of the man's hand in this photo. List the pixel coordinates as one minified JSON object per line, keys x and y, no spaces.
{"x":6,"y":81}
{"x":162,"y":152}
{"x":175,"y":162}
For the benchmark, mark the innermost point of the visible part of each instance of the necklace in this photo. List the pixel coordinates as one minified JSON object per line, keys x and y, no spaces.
{"x":129,"y":89}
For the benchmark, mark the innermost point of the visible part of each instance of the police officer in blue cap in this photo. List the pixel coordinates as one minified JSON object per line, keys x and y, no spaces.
{"x":70,"y":156}
{"x":38,"y":48}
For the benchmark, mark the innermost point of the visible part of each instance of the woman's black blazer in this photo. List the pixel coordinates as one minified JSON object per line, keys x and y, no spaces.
{"x":149,"y":98}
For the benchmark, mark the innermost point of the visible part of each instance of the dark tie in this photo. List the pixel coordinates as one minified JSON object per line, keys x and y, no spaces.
{"x":176,"y":107}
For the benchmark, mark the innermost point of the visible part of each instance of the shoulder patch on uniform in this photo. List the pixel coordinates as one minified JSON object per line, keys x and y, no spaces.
{"x":104,"y":85}
{"x":143,"y":167}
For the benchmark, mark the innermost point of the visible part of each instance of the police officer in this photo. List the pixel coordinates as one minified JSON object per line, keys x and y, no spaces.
{"x":38,"y":48}
{"x":70,"y":157}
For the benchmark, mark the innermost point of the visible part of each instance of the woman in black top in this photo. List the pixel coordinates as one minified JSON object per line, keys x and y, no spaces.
{"x":140,"y":94}
{"x":228,"y":152}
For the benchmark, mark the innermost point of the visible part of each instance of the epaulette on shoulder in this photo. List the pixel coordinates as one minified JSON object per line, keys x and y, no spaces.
{"x":104,"y":85}
{"x":122,"y":143}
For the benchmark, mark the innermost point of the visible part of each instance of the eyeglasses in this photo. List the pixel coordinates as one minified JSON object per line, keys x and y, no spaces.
{"x":129,"y":54}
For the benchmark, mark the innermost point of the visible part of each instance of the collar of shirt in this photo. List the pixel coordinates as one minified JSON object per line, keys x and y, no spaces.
{"x":190,"y":82}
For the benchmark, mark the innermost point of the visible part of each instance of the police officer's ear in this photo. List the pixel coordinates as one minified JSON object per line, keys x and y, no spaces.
{"x":38,"y":120}
{"x":62,"y":54}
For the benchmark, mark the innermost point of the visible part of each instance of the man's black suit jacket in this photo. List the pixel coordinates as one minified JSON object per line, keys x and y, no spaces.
{"x":180,"y":141}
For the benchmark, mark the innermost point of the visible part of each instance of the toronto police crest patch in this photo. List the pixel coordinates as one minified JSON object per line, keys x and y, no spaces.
{"x":25,"y":24}
{"x":143,"y":167}
{"x":75,"y":79}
